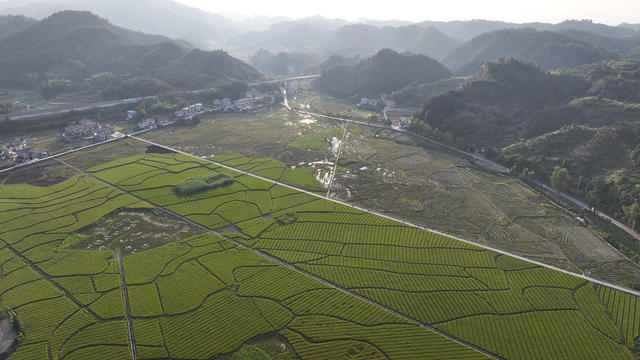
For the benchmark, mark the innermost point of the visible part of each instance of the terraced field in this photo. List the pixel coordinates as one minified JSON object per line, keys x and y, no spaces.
{"x":508,"y":307}
{"x":68,"y":301}
{"x":191,"y":299}
{"x":417,"y":181}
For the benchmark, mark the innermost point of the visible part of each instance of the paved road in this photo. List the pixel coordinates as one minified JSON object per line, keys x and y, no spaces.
{"x":600,"y":282}
{"x":581,"y":204}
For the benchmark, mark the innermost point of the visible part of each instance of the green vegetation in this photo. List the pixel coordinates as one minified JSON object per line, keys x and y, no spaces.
{"x":547,"y":49}
{"x":51,"y":287}
{"x":73,"y":240}
{"x":399,"y":267}
{"x":186,"y":293}
{"x":583,"y":120}
{"x":203,"y":183}
{"x":80,"y":52}
{"x":383,"y":73}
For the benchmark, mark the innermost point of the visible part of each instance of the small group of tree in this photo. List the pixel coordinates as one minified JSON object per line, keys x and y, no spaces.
{"x":202,"y":183}
{"x":6,"y":107}
{"x":560,"y":178}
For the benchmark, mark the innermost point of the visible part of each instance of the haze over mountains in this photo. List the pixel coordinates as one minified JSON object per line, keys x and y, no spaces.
{"x":311,"y":35}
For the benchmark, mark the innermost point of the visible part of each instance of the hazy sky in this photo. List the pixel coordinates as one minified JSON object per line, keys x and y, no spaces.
{"x":610,"y":12}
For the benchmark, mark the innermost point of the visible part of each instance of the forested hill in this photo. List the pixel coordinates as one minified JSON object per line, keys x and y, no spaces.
{"x":550,"y":50}
{"x":14,"y":23}
{"x":586,"y":120}
{"x":71,"y":51}
{"x":383,"y":73}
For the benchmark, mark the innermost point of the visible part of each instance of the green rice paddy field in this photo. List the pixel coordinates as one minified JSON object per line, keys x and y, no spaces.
{"x":326,"y":280}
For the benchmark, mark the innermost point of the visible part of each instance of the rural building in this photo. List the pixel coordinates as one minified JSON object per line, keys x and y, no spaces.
{"x":243,"y":104}
{"x":222,"y":104}
{"x":104,"y":133}
{"x":82,"y":130}
{"x":189,"y":111}
{"x":368,"y":103}
{"x":5,"y":153}
{"x":147,"y":124}
{"x":164,"y":121}
{"x":18,"y":144}
{"x":131,"y":114}
{"x":29,"y":155}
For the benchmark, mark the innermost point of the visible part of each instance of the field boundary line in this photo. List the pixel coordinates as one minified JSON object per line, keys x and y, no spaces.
{"x":486,"y":247}
{"x":127,"y":308}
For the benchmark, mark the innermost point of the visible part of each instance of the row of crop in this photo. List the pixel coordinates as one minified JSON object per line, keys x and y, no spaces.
{"x":174,"y":288}
{"x":624,"y":310}
{"x":397,"y":267}
{"x":366,"y":278}
{"x":338,"y":304}
{"x":563,"y":334}
{"x":220,"y":326}
{"x":396,"y":234}
{"x":455,"y":257}
{"x":395,"y":341}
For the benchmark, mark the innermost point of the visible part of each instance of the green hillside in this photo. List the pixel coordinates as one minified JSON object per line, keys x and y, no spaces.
{"x":383,"y":73}
{"x":585,"y":120}
{"x":549,"y":50}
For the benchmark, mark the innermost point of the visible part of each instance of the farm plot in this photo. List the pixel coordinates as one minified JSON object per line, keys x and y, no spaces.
{"x":68,"y":301}
{"x":235,"y":296}
{"x":302,"y":177}
{"x":153,"y":177}
{"x":450,"y":285}
{"x":263,"y":134}
{"x":455,"y":195}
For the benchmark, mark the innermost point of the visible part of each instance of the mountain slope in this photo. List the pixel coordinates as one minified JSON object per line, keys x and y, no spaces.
{"x":14,"y":23}
{"x":282,"y":64}
{"x":383,"y":73}
{"x":586,"y":120}
{"x":549,"y":50}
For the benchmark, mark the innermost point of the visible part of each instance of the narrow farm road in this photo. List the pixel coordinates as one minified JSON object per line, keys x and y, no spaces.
{"x":127,"y":309}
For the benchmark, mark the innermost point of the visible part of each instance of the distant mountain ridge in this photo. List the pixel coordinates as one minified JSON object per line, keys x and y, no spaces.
{"x":547,"y":49}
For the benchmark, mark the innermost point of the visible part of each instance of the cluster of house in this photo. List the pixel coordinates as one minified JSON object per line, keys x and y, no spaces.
{"x":253,"y":99}
{"x":87,"y":130}
{"x":383,"y":101}
{"x":19,"y":151}
{"x":189,"y":111}
{"x":20,"y":106}
{"x":150,"y":123}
